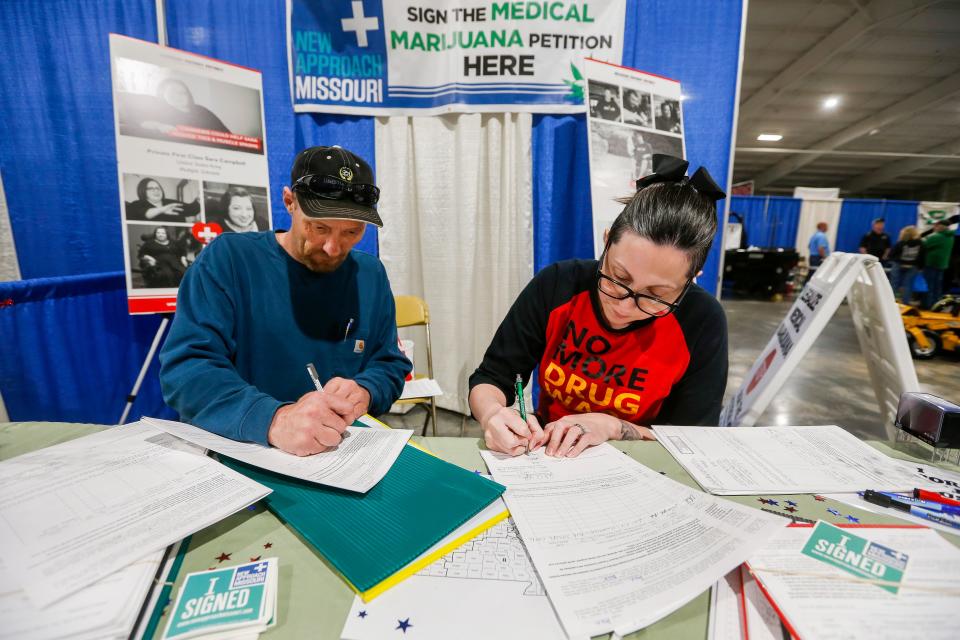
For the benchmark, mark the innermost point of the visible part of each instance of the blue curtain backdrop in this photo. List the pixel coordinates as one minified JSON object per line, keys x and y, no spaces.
{"x":57,"y":154}
{"x":769,"y":221}
{"x":857,"y":215}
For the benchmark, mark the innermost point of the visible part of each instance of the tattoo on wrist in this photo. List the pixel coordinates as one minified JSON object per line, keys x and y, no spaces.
{"x":629,"y":432}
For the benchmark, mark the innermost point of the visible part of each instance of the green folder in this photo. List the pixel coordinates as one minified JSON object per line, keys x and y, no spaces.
{"x":370,"y":537}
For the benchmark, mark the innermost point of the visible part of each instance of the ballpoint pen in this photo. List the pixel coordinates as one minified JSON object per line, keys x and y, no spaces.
{"x":312,"y":370}
{"x":346,"y":331}
{"x":523,"y":408}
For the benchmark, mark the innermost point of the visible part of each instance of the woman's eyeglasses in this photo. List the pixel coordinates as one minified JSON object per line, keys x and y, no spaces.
{"x":333,"y":188}
{"x":650,"y":305}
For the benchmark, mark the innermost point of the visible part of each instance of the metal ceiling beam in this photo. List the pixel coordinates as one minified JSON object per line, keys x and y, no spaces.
{"x":920,"y":101}
{"x":899,"y":168}
{"x":861,"y":22}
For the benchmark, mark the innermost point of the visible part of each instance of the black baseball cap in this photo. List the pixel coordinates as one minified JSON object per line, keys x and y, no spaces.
{"x":341,"y":164}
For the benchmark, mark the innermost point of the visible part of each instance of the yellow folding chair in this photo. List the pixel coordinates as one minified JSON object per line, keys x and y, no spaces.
{"x":414,"y":312}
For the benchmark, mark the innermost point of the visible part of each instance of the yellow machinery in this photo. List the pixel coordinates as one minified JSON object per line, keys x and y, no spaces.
{"x":931,"y":331}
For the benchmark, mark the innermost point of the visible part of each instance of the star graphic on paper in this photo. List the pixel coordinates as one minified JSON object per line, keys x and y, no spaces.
{"x":762,"y":500}
{"x":223,"y":556}
{"x":819,"y":498}
{"x":268,"y":545}
{"x":252,"y":507}
{"x":853,"y":519}
{"x":790,"y":509}
{"x":773,"y":502}
{"x":254,"y":559}
{"x":362,"y":614}
{"x":791,"y":503}
{"x":403,"y":625}
{"x":833,"y":511}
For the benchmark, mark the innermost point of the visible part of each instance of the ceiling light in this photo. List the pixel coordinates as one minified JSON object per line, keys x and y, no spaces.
{"x":831,"y":102}
{"x":873,"y":132}
{"x":770,"y":137}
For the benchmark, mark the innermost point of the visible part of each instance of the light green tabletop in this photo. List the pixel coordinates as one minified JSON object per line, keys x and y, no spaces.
{"x":314,"y":601}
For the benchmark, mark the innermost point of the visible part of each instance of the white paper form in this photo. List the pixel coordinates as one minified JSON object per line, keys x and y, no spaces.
{"x":74,"y":513}
{"x":617,"y":545}
{"x":357,"y":464}
{"x":106,"y":609}
{"x":492,"y":571}
{"x":822,"y":601}
{"x":421,"y":388}
{"x":779,"y":460}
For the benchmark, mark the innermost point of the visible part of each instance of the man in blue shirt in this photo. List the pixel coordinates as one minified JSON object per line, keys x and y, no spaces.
{"x":819,"y":245}
{"x":256,"y":307}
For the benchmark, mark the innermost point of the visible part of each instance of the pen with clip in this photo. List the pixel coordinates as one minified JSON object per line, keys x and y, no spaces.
{"x":877,"y":498}
{"x":523,"y":408}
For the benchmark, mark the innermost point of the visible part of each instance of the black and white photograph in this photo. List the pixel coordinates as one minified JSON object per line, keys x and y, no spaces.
{"x":629,"y":152}
{"x":236,"y":208}
{"x":636,"y":108}
{"x":159,"y":254}
{"x":604,"y":101}
{"x":667,"y":114}
{"x":156,"y":102}
{"x":152,"y":198}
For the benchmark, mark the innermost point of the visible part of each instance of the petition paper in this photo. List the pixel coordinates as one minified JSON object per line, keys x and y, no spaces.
{"x":822,"y":601}
{"x":357,"y":464}
{"x":779,"y":460}
{"x":76,"y":512}
{"x":617,"y":545}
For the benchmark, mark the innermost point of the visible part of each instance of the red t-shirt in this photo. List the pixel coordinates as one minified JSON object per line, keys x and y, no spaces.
{"x":670,"y":370}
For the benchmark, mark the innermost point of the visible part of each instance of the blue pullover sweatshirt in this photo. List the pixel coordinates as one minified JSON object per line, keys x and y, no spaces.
{"x":249,"y":318}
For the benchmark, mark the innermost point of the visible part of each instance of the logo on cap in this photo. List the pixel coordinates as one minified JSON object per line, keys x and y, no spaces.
{"x":346,"y":173}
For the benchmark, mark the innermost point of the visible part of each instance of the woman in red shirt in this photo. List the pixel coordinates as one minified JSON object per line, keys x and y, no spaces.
{"x":622,"y":342}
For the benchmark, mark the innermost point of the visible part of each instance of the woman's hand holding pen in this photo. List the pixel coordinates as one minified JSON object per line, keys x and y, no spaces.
{"x":571,"y":435}
{"x":505,"y":431}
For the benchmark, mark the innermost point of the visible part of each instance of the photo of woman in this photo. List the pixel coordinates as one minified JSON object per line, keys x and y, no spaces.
{"x":160,"y":257}
{"x":236,"y":208}
{"x":152,"y":203}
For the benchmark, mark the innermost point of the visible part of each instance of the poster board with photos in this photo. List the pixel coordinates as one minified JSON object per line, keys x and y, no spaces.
{"x":631,"y":115}
{"x":191,"y":162}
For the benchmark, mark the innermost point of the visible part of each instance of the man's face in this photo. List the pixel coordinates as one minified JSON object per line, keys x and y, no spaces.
{"x":320,"y":244}
{"x":607,"y":95}
{"x":878,"y":227}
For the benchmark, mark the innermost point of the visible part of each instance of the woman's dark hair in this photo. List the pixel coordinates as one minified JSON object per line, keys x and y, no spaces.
{"x":231,"y":192}
{"x":142,"y":188}
{"x":672,"y":214}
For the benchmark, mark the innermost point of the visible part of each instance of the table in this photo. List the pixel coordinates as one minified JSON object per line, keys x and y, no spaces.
{"x":314,"y":600}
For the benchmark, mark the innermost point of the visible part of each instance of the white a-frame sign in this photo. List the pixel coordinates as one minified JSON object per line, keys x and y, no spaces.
{"x":861,"y":280}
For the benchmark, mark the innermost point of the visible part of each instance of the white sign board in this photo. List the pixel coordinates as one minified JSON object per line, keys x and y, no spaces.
{"x":859,"y":278}
{"x":631,"y":116}
{"x":191,"y":161}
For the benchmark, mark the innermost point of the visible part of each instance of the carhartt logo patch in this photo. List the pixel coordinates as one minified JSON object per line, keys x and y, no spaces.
{"x":358,"y":346}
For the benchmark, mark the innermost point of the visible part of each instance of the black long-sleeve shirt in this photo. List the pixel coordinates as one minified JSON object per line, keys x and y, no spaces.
{"x":669,"y":370}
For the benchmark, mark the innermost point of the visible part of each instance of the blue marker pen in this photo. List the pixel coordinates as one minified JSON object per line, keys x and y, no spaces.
{"x":875,"y":497}
{"x":945,"y":509}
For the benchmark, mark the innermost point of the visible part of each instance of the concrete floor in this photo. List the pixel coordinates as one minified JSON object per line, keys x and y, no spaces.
{"x":831,"y":386}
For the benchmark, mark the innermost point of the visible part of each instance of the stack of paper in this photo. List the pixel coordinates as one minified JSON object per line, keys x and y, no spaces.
{"x":617,"y":545}
{"x":231,"y":602}
{"x":74,"y":514}
{"x":372,"y":538}
{"x":782,"y":460}
{"x":739,"y":610}
{"x":483,"y":564}
{"x":861,"y":582}
{"x":358,"y":463}
{"x":106,"y":609}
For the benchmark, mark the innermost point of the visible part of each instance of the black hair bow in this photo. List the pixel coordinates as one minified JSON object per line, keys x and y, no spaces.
{"x":668,"y":168}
